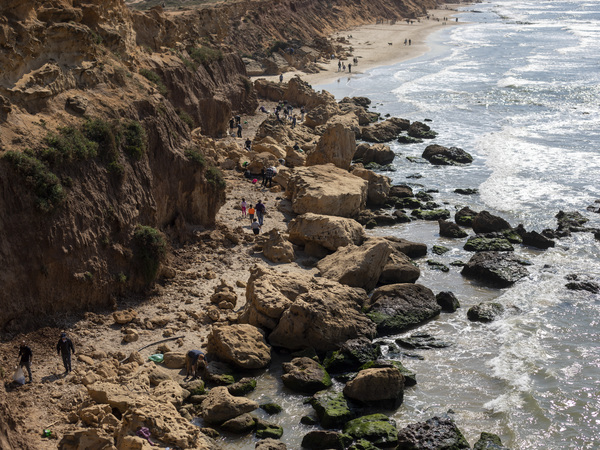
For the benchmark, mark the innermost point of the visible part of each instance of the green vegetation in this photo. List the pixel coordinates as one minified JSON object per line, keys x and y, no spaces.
{"x":205,"y":55}
{"x":276,"y":46}
{"x":186,"y":118}
{"x":67,"y":146}
{"x":215,"y":176}
{"x":134,"y":139}
{"x":195,"y":156}
{"x":156,"y":79}
{"x":121,"y":278}
{"x":44,"y":184}
{"x":102,"y":133}
{"x":149,"y":250}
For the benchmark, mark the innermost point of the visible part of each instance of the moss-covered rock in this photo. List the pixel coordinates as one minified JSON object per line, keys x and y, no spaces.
{"x":376,"y":428}
{"x":434,"y":214}
{"x":271,"y":408}
{"x":439,"y":249}
{"x":465,"y":216}
{"x":436,"y":265}
{"x":410,"y":377}
{"x":242,"y":387}
{"x":309,"y":420}
{"x":408,"y":203}
{"x":305,"y":375}
{"x":332,"y":409}
{"x":363,"y":444}
{"x":322,"y":439}
{"x":489,"y":441}
{"x":485,"y":244}
{"x":266,"y":430}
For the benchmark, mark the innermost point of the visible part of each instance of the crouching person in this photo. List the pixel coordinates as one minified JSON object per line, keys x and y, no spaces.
{"x":194,"y":363}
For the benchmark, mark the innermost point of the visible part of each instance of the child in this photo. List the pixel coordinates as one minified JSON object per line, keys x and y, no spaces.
{"x":251,"y":212}
{"x":255,"y":226}
{"x":244,"y":207}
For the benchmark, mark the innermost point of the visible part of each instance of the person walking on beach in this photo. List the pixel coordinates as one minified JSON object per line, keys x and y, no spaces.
{"x":255,"y":227}
{"x":349,"y":68}
{"x":251,"y":212}
{"x":243,"y":205}
{"x":239,"y":130}
{"x":409,"y":42}
{"x":294,"y":121}
{"x":25,"y":355}
{"x":339,"y":65}
{"x":65,"y":347}
{"x":260,"y":212}
{"x":405,"y":41}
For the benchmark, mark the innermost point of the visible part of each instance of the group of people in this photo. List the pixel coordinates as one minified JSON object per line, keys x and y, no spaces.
{"x":249,"y":211}
{"x":64,"y":347}
{"x":235,"y":122}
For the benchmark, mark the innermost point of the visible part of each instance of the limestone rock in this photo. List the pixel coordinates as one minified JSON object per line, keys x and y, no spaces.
{"x":224,"y":296}
{"x":326,"y":189}
{"x":305,"y":375}
{"x":378,"y":186}
{"x":336,"y":145}
{"x":328,"y":231}
{"x":171,"y":392}
{"x":399,"y":268}
{"x":220,"y":406}
{"x":114,"y":395}
{"x":320,"y":114}
{"x":377,"y":153}
{"x":382,"y":387}
{"x":444,"y":156}
{"x":242,"y":345}
{"x":87,"y":438}
{"x":277,"y":249}
{"x":358,"y":266}
{"x":401,"y":191}
{"x":396,"y":307}
{"x":384,"y":131}
{"x":123,"y":317}
{"x":409,"y":248}
{"x":497,"y":269}
{"x":438,"y":432}
{"x":174,"y":360}
{"x":270,"y":444}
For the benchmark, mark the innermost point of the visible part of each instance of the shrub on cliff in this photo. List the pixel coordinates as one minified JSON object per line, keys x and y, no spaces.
{"x":215,"y":176}
{"x":102,"y":132}
{"x":195,"y":156}
{"x":156,"y":79}
{"x":149,"y":250}
{"x":134,"y":139}
{"x":44,"y":184}
{"x":205,"y":55}
{"x":66,"y":146}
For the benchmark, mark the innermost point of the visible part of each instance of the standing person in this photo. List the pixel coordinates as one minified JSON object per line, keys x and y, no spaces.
{"x":349,"y":67}
{"x":260,"y":212}
{"x":248,"y":144}
{"x":26,"y":355}
{"x":231,"y":126}
{"x":281,"y":78}
{"x":251,"y":212}
{"x":65,"y":346}
{"x":409,"y":42}
{"x":239,"y":130}
{"x":255,"y":227}
{"x":243,"y":207}
{"x":294,"y":121}
{"x":302,"y":112}
{"x":339,"y":65}
{"x":262,"y":176}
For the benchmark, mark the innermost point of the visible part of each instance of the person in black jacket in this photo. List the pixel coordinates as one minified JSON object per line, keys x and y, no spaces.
{"x":26,"y":355}
{"x":65,"y":346}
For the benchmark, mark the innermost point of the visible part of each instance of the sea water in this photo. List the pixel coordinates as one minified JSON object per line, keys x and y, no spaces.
{"x":518,"y":88}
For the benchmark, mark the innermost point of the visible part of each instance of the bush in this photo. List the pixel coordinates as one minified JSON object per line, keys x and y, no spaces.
{"x":156,"y":79}
{"x":103,"y":134}
{"x":215,"y":176}
{"x":186,"y":118}
{"x":205,"y":55}
{"x":67,"y":146}
{"x":45,"y":185}
{"x":195,"y":156}
{"x":134,"y":139}
{"x":277,"y":45}
{"x":149,"y":250}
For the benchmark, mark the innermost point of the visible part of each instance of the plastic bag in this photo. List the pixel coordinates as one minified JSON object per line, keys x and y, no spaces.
{"x":158,"y":357}
{"x":19,"y":376}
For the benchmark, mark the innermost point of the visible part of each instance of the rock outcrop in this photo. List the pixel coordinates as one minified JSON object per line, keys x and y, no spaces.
{"x":336,"y":145}
{"x":242,"y":345}
{"x":329,"y":232}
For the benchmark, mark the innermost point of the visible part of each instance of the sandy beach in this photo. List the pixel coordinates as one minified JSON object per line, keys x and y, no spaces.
{"x":371,"y":45}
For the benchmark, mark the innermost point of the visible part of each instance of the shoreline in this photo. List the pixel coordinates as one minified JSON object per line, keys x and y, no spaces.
{"x":371,"y":46}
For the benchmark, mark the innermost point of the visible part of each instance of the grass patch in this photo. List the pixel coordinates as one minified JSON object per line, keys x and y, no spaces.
{"x":155,"y":78}
{"x":149,"y":250}
{"x":215,"y":176}
{"x":205,"y":55}
{"x":44,"y":184}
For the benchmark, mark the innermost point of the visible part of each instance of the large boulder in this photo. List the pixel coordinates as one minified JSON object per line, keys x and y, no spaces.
{"x":377,"y":429}
{"x":326,"y":189}
{"x":329,"y":232}
{"x":378,"y":187}
{"x":336,"y":145}
{"x":319,"y":115}
{"x":358,"y":266}
{"x":437,"y":433}
{"x":397,"y":307}
{"x":116,"y":396}
{"x":220,"y":406}
{"x":399,"y":268}
{"x":444,"y":156}
{"x":277,"y":249}
{"x":305,"y":375}
{"x":409,"y":248}
{"x":377,"y":153}
{"x":384,"y":131}
{"x":489,"y":441}
{"x":496,"y":269}
{"x":332,"y":409}
{"x":301,"y":311}
{"x":485,"y":222}
{"x":451,"y":230}
{"x":382,"y":387}
{"x":242,"y":345}
{"x":533,"y":238}
{"x":465,"y":216}
{"x":421,"y":130}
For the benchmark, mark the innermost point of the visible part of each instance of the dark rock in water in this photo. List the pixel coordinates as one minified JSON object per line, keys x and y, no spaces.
{"x":408,"y":203}
{"x":305,"y":375}
{"x":416,"y":160}
{"x":483,"y":244}
{"x":241,"y":424}
{"x":436,"y":265}
{"x":424,"y":196}
{"x":466,"y":191}
{"x":401,"y":191}
{"x":447,"y":301}
{"x":378,"y":429}
{"x":381,"y":168}
{"x":465,"y":216}
{"x":377,"y":387}
{"x":384,"y":131}
{"x":358,"y":101}
{"x":332,"y":408}
{"x":458,"y":263}
{"x":435,"y":214}
{"x":242,"y":387}
{"x":496,"y":269}
{"x":323,"y":439}
{"x":572,"y":221}
{"x":485,"y":312}
{"x":597,"y":235}
{"x":439,"y":249}
{"x":435,"y":433}
{"x":414,"y":176}
{"x":451,"y":230}
{"x":397,"y":307}
{"x":489,"y":441}
{"x":401,"y":216}
{"x":555,"y":234}
{"x":422,"y":341}
{"x":409,"y":248}
{"x":421,"y":131}
{"x":267,"y":430}
{"x":352,"y":355}
{"x":430,"y":206}
{"x":308,"y":420}
{"x":533,"y":238}
{"x":510,"y":235}
{"x":410,"y":378}
{"x":484,"y":222}
{"x":378,"y":153}
{"x":271,"y":408}
{"x":405,"y":139}
{"x":583,"y":285}
{"x":444,"y":156}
